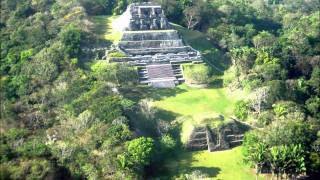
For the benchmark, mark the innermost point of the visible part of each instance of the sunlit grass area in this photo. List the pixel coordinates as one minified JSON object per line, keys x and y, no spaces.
{"x":199,"y":101}
{"x":104,"y":27}
{"x":224,"y":165}
{"x":199,"y":106}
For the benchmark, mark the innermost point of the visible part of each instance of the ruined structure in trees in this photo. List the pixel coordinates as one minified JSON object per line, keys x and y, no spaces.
{"x":149,"y":42}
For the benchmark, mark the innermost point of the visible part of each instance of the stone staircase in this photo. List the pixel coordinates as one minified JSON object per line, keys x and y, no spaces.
{"x":198,"y":139}
{"x":203,"y":138}
{"x":151,"y":44}
{"x":160,"y":75}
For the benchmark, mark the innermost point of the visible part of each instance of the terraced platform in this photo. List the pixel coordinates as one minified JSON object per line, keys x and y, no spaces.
{"x":149,"y":42}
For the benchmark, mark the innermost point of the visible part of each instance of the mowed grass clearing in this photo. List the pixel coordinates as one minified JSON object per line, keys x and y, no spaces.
{"x":199,"y":101}
{"x":103,"y":27}
{"x":195,"y":106}
{"x":223,"y":165}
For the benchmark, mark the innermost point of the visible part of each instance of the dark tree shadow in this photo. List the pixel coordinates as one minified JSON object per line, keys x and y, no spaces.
{"x":136,"y":93}
{"x":181,"y":163}
{"x":165,"y":115}
{"x":216,"y":83}
{"x":209,"y":172}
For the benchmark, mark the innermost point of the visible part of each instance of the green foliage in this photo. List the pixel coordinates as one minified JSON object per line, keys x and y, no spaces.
{"x":28,"y":169}
{"x":116,"y":73}
{"x":107,"y":109}
{"x":288,"y":110}
{"x":118,"y":133}
{"x":139,"y":153}
{"x":116,"y":54}
{"x":243,"y":58}
{"x":16,"y":134}
{"x":167,"y":144}
{"x":263,"y":40}
{"x":45,"y":86}
{"x":141,"y":150}
{"x":196,"y":73}
{"x":241,"y":110}
{"x":315,"y":161}
{"x":313,"y":105}
{"x":265,"y":118}
{"x":71,"y":37}
{"x":33,"y":148}
{"x":287,"y":159}
{"x":6,"y":153}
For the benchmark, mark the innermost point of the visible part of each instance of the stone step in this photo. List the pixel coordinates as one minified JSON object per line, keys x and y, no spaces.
{"x":150,"y":44}
{"x":150,"y":35}
{"x":152,"y":51}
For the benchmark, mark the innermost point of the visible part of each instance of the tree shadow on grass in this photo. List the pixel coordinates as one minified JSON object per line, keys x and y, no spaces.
{"x":207,"y":171}
{"x":181,"y":165}
{"x":165,"y":115}
{"x":136,"y":93}
{"x":216,"y":83}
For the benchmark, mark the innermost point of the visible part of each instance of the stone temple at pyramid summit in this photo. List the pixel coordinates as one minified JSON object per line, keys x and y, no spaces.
{"x":149,"y":42}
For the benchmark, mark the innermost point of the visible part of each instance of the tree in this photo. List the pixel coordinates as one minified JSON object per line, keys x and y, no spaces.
{"x":107,"y":109}
{"x":192,"y":16}
{"x":314,"y":81}
{"x":260,"y":99}
{"x":255,"y":152}
{"x":264,"y":40}
{"x":243,"y":58}
{"x":71,"y":37}
{"x":196,"y":73}
{"x":241,"y":110}
{"x":138,"y":154}
{"x":167,"y":144}
{"x":313,"y":105}
{"x":140,"y":150}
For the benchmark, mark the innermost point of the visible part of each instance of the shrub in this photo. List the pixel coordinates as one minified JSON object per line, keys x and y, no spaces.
{"x":196,"y":73}
{"x":241,"y":110}
{"x":116,"y":54}
{"x":115,"y":72}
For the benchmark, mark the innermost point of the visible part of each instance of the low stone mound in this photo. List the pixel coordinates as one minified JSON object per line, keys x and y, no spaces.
{"x":198,"y":139}
{"x":224,"y":137}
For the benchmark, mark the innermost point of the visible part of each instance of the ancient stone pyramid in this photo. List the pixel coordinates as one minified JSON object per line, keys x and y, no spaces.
{"x":150,"y":42}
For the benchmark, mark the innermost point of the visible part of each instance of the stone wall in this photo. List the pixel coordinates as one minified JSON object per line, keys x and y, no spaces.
{"x":147,"y":16}
{"x":225,"y":137}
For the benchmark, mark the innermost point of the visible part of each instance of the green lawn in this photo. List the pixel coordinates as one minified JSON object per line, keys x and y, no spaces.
{"x":224,"y":165}
{"x":103,"y":27}
{"x":202,"y":106}
{"x":199,"y":101}
{"x":199,"y":106}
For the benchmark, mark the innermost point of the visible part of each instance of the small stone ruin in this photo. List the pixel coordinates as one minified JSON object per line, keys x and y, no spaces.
{"x":224,"y":137}
{"x":149,"y":42}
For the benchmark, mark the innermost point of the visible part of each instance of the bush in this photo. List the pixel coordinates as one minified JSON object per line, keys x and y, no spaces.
{"x":167,"y":144}
{"x":265,"y":118}
{"x":196,"y":73}
{"x":241,"y":110}
{"x":115,"y":72}
{"x":116,"y":54}
{"x":33,"y":148}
